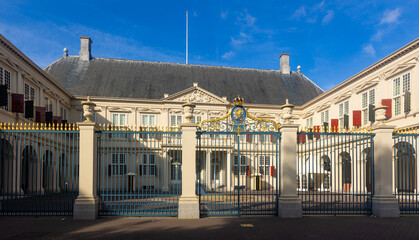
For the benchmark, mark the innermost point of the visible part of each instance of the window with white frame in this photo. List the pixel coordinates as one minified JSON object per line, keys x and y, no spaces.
{"x":367,"y":99}
{"x":343,"y":110}
{"x":118,"y":166}
{"x":264,"y":138}
{"x":29,"y":92}
{"x":63,"y":113}
{"x":5,"y":77}
{"x":264,"y":164}
{"x":176,"y":170}
{"x":196,"y":119}
{"x":399,"y":91}
{"x":48,"y":104}
{"x":309,"y":122}
{"x":175,"y":120}
{"x":149,"y":164}
{"x":119,"y":119}
{"x":243,"y":166}
{"x":148,"y":120}
{"x":324,"y":117}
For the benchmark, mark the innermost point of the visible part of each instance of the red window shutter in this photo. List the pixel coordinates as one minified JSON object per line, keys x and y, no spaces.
{"x":247,"y":137}
{"x":18,"y":103}
{"x":248,"y":171}
{"x":335,"y":125}
{"x":56,"y":119}
{"x":40,"y":114}
{"x":272,"y":138}
{"x":387,"y":102}
{"x":356,"y":118}
{"x":317,"y":129}
{"x":273,"y":173}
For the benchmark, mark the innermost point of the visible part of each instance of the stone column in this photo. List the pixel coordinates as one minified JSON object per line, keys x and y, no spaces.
{"x":289,"y":204}
{"x":188,"y":201}
{"x":86,"y":205}
{"x":384,"y":203}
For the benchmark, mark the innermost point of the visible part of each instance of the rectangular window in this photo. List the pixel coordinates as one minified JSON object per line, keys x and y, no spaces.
{"x":341,"y":110}
{"x":346,"y":108}
{"x":406,"y":82}
{"x":148,"y":120}
{"x":118,"y":166}
{"x":364,"y":100}
{"x":264,"y":164}
{"x":243,"y":166}
{"x":372,"y":97}
{"x":1,"y":75}
{"x":309,"y":122}
{"x":365,"y":116}
{"x":63,"y":113}
{"x":396,"y":86}
{"x":7,"y":79}
{"x":397,"y":106}
{"x":149,"y":165}
{"x":29,"y":92}
{"x":196,"y":119}
{"x":119,"y":119}
{"x":48,"y":104}
{"x":324,"y":117}
{"x":175,"y":120}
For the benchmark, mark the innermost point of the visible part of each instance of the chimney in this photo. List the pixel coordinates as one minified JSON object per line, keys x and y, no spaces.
{"x":284,"y":63}
{"x":85,"y":48}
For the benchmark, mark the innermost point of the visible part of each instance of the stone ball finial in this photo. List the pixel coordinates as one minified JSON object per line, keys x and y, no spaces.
{"x":65,"y":52}
{"x":299,"y":68}
{"x":287,"y":111}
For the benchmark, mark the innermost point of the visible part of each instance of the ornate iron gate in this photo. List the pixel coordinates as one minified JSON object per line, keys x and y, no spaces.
{"x":335,"y":171}
{"x":237,"y":164}
{"x":405,"y":176}
{"x":139,"y":171}
{"x":39,"y":169}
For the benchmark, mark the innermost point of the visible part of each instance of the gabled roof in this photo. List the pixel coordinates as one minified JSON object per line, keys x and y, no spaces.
{"x":151,"y":80}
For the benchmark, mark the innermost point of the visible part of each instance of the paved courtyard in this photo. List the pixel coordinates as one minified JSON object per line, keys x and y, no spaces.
{"x":215,"y":228}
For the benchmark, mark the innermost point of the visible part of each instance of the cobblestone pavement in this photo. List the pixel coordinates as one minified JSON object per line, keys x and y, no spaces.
{"x":215,"y":228}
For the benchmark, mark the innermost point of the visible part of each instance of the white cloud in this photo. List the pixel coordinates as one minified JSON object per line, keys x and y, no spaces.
{"x":300,"y":12}
{"x":224,"y":15}
{"x":246,"y":19}
{"x":369,"y":49}
{"x":391,"y":16}
{"x":228,"y":55}
{"x":378,"y":35}
{"x":319,"y":5}
{"x":238,"y":41}
{"x":329,"y":16}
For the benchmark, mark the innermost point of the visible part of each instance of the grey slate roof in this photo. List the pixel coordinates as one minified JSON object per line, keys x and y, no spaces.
{"x":150,"y":80}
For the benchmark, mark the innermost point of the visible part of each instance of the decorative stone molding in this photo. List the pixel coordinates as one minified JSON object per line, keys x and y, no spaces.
{"x":196,"y":96}
{"x":118,"y":109}
{"x":176,"y":111}
{"x":342,"y":97}
{"x":88,"y":109}
{"x":215,"y":113}
{"x":324,"y":106}
{"x":150,"y":110}
{"x":366,"y":85}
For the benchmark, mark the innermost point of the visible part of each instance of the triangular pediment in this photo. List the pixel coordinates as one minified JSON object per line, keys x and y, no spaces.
{"x":342,"y":97}
{"x":196,"y":95}
{"x":324,"y":106}
{"x":366,"y":85}
{"x":308,"y":114}
{"x":400,"y":68}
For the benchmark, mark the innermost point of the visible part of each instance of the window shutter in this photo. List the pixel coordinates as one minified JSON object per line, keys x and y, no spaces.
{"x":326,"y":126}
{"x":40,"y":114}
{"x":248,"y":171}
{"x":29,"y":109}
{"x":248,"y":138}
{"x":407,"y":102}
{"x":109,"y":170}
{"x":18,"y":103}
{"x":356,"y":121}
{"x":273,"y":173}
{"x":301,"y":138}
{"x":3,"y":95}
{"x":272,"y":138}
{"x":387,"y":102}
{"x":48,"y":117}
{"x":335,"y":125}
{"x":141,"y":170}
{"x":346,"y":121}
{"x":155,"y":170}
{"x":371,"y":116}
{"x":317,"y":129}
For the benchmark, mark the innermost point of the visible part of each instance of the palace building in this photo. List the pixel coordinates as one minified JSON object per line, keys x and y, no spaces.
{"x":142,"y":107}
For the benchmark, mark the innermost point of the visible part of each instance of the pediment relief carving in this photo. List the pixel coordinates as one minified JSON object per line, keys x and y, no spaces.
{"x":308,"y":114}
{"x":264,"y":115}
{"x":199,"y":112}
{"x":324,"y":106}
{"x":176,"y":111}
{"x":196,"y":95}
{"x":215,"y":113}
{"x":400,"y":68}
{"x":149,"y":110}
{"x":366,"y":85}
{"x":7,"y":61}
{"x":342,"y":97}
{"x":119,"y":109}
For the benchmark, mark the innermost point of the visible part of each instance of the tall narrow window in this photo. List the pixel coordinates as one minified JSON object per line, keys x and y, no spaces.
{"x":175,"y":120}
{"x":119,"y":119}
{"x":149,"y":164}
{"x":264,"y":164}
{"x":243,"y":166}
{"x":118,"y":166}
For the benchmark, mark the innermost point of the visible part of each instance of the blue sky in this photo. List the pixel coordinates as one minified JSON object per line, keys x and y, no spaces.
{"x":331,"y":40}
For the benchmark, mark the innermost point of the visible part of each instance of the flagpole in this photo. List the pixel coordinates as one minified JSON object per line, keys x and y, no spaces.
{"x":186,"y":37}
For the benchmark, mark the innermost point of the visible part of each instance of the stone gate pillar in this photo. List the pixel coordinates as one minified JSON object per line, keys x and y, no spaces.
{"x":384,"y":203}
{"x":86,"y":205}
{"x":188,"y":201}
